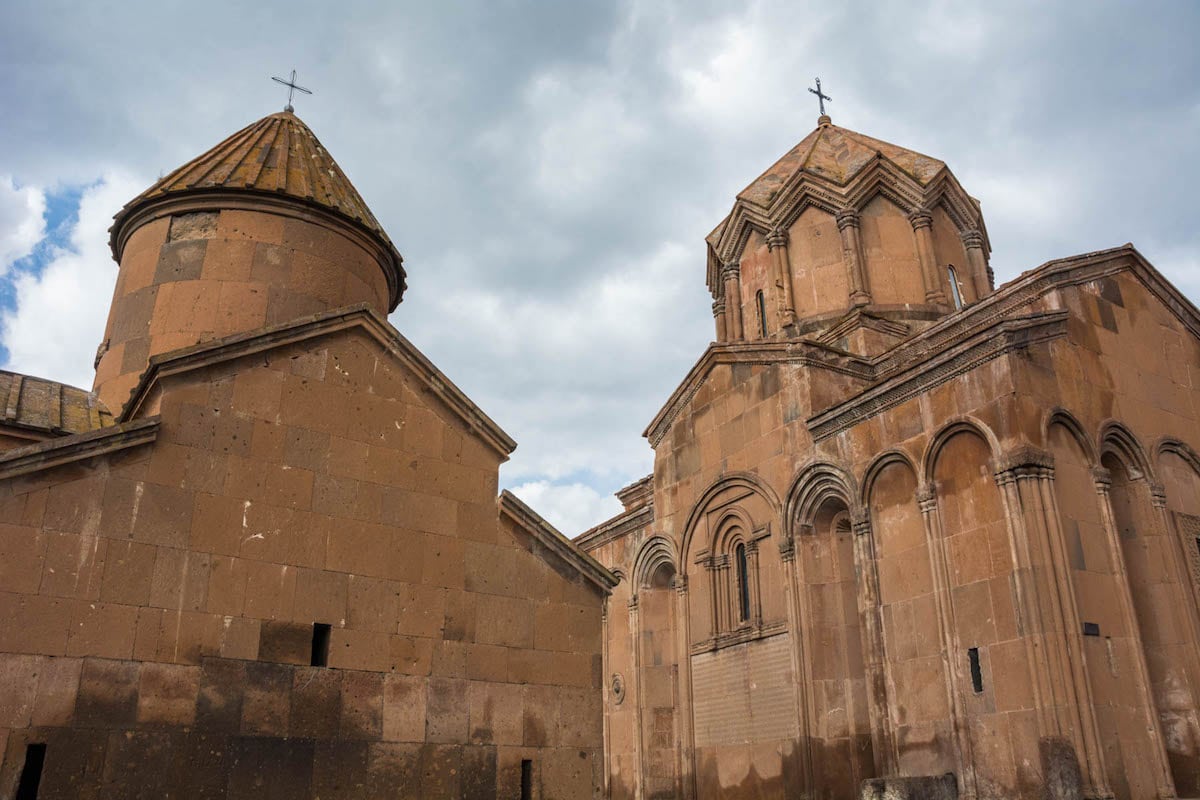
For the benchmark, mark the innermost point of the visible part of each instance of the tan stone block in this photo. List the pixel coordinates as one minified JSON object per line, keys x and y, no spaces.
{"x":226,"y":586}
{"x":73,"y":507}
{"x":410,"y":655}
{"x":187,"y":636}
{"x":321,"y":596}
{"x":347,"y":458}
{"x":241,"y":306}
{"x":505,"y":621}
{"x":227,"y":260}
{"x":73,"y":565}
{"x":167,"y":694}
{"x":450,"y":659}
{"x":404,"y":708}
{"x":374,"y":604}
{"x":180,"y":579}
{"x":550,"y":627}
{"x":19,"y":677}
{"x":266,"y":444}
{"x":361,"y":548}
{"x":128,"y":572}
{"x":487,"y":662}
{"x":22,"y":552}
{"x":421,"y":610}
{"x":443,"y":560}
{"x":57,"y":689}
{"x":289,"y":487}
{"x":460,"y":616}
{"x":270,"y":590}
{"x":102,"y":629}
{"x":447,"y":710}
{"x":240,"y":638}
{"x":361,"y":650}
{"x":540,"y":718}
{"x":145,"y":638}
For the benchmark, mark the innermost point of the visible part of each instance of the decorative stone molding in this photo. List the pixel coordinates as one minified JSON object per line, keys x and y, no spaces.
{"x":632,"y":605}
{"x":778,"y":237}
{"x":847,"y":218}
{"x":972,"y":239}
{"x":921,"y":218}
{"x":617,"y":688}
{"x":1158,"y":495}
{"x":861,"y":524}
{"x":731,"y":270}
{"x":718,"y":307}
{"x":1025,"y":461}
{"x":927,"y":499}
{"x":681,"y":583}
{"x":1102,"y":477}
{"x":787,"y":548}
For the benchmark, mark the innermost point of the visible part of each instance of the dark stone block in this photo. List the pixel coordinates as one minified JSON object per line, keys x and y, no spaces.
{"x":316,"y":702}
{"x":340,"y":770}
{"x":107,"y":694}
{"x":479,"y":773}
{"x":219,"y":706}
{"x":199,"y":768}
{"x":285,"y":643}
{"x":924,"y":787}
{"x":441,"y":770}
{"x":270,"y":769}
{"x":136,"y":765}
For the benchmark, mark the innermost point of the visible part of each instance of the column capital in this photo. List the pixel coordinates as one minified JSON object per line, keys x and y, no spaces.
{"x":1024,"y":461}
{"x":718,"y":306}
{"x":681,"y":584}
{"x":787,"y":548}
{"x":861,"y":524}
{"x":633,"y":604}
{"x":921,"y":218}
{"x":847,"y":218}
{"x":1158,"y":495}
{"x":1102,"y":478}
{"x":731,"y":269}
{"x":778,"y":237}
{"x":927,"y":499}
{"x":972,"y":239}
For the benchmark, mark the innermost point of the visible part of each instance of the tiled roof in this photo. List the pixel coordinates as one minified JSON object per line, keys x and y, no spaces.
{"x":837,"y":154}
{"x":37,"y":404}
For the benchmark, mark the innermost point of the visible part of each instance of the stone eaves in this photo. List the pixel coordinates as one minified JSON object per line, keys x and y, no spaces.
{"x":548,"y":536}
{"x":68,"y":449}
{"x":622,"y":524}
{"x":362,"y":318}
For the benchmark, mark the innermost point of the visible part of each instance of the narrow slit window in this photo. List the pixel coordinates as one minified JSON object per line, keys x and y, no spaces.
{"x":320,"y":644}
{"x":31,"y":773}
{"x":976,"y":670}
{"x":761,"y":302}
{"x":1198,"y":545}
{"x":1091,"y":629}
{"x":526,"y":779}
{"x":955,"y":288}
{"x":743,"y":579}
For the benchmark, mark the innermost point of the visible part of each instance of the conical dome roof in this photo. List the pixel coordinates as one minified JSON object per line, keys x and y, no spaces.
{"x":837,"y":155}
{"x":277,"y":156}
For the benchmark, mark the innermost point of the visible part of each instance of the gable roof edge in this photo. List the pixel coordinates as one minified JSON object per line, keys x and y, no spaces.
{"x":546,"y":534}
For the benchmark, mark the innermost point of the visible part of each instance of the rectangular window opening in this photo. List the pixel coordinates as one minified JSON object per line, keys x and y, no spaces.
{"x":1198,"y":545}
{"x":1091,"y":629}
{"x":526,"y":779}
{"x":320,"y":644}
{"x":31,"y":773}
{"x":976,"y":670}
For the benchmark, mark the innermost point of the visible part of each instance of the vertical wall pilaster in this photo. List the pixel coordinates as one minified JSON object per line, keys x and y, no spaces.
{"x":927,"y":502}
{"x":687,"y":734}
{"x":1179,"y":557}
{"x":977,"y":261}
{"x":718,"y":309}
{"x":922,"y":225}
{"x":802,"y":683}
{"x":732,"y":274}
{"x":777,"y":245}
{"x":635,"y":632}
{"x":605,"y":671}
{"x":848,"y":224}
{"x":1165,"y":783}
{"x":1051,"y":629}
{"x":883,"y":739}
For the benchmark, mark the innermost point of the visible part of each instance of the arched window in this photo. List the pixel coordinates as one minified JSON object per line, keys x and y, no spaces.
{"x":743,"y":580}
{"x":762,"y":313}
{"x":955,"y":288}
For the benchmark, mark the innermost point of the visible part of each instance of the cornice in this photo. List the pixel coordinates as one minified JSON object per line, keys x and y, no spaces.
{"x":621,"y":525}
{"x":78,"y":447}
{"x":547,"y":535}
{"x":360,"y":317}
{"x":803,"y":353}
{"x":981,"y":347}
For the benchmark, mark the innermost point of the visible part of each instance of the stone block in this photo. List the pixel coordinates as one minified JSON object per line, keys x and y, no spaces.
{"x":266,"y":699}
{"x":102,"y":629}
{"x":404,"y":704}
{"x":316,"y":702}
{"x":447,"y":710}
{"x":362,"y":705}
{"x":219,"y":704}
{"x":167,"y":694}
{"x":57,"y":691}
{"x":108,"y":694}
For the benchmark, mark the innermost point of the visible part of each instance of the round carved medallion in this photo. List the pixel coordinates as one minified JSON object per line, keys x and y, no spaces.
{"x":618,"y":688}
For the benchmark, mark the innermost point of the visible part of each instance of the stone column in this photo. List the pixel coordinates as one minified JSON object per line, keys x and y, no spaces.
{"x":802,"y":683}
{"x":718,"y":308}
{"x":635,"y":631}
{"x":1165,"y":783}
{"x":1053,"y":647}
{"x":725,"y":620}
{"x":605,"y":672}
{"x":848,"y":222}
{"x":922,"y":225}
{"x":1180,"y":557}
{"x":977,"y":262}
{"x":732,"y":274}
{"x":687,"y":734}
{"x":927,"y":502}
{"x":883,"y":739}
{"x":755,"y":584}
{"x":777,"y":245}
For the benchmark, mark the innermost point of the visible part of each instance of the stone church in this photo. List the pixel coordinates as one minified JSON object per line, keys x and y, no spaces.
{"x":264,"y":557}
{"x":910,"y":534}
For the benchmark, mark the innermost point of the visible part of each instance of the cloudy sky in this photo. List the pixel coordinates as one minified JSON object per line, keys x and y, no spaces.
{"x":550,"y":169}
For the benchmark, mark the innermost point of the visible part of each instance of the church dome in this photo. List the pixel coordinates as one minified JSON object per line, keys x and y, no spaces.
{"x":276,"y":158}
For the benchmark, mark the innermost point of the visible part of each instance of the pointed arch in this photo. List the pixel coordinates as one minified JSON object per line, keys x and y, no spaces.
{"x":1116,"y":439}
{"x":1060,"y":416}
{"x":963,"y":424}
{"x":1169,"y":445}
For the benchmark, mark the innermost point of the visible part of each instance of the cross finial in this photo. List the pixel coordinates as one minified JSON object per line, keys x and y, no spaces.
{"x":821,"y":98}
{"x":293,"y":86}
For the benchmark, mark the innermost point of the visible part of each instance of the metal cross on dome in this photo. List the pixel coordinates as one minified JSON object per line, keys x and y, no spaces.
{"x":293,"y":86}
{"x":821,"y":98}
